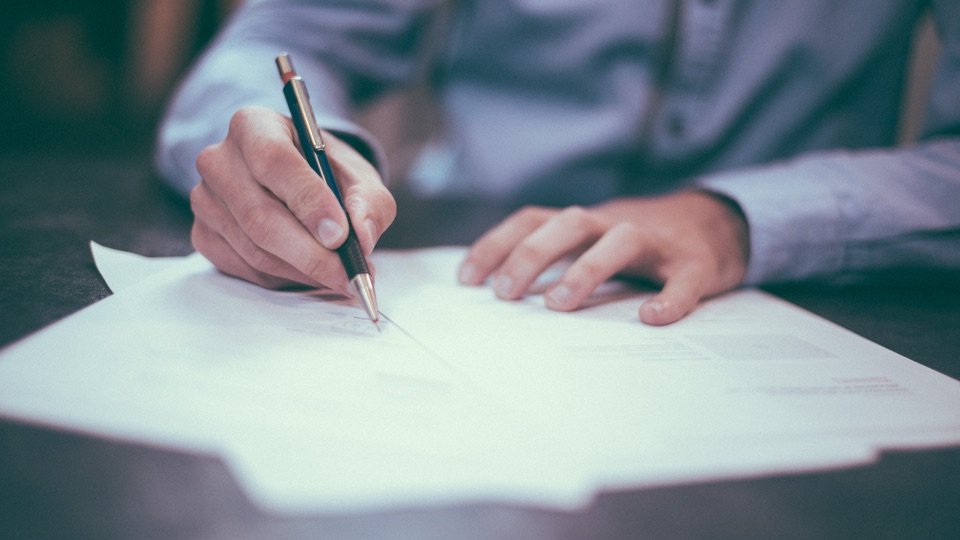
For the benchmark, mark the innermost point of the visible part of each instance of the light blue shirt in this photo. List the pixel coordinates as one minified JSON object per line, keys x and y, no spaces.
{"x":788,"y":107}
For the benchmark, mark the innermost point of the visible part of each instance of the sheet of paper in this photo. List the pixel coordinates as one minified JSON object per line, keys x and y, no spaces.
{"x":463,"y":397}
{"x":122,"y":269}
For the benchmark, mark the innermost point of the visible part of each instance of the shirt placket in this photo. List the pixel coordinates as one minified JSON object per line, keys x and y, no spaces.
{"x":701,"y":34}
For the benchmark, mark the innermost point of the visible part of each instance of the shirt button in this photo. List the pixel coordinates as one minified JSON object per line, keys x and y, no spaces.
{"x":676,"y":125}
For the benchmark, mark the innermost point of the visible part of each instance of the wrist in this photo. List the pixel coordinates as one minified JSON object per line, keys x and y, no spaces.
{"x":732,"y":220}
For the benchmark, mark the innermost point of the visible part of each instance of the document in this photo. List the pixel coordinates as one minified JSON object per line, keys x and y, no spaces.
{"x":461,"y":397}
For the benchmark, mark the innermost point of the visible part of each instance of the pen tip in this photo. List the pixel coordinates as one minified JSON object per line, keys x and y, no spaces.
{"x":364,"y":287}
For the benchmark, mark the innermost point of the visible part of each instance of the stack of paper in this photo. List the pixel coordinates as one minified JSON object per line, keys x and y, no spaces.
{"x":462,"y":397}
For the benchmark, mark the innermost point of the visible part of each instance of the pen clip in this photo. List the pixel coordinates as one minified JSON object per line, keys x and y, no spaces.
{"x":304,"y":109}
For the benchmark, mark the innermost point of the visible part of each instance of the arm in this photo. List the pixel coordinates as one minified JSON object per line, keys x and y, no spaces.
{"x":823,"y":215}
{"x":844,"y":215}
{"x":260,"y":212}
{"x":837,"y":215}
{"x":347,"y":53}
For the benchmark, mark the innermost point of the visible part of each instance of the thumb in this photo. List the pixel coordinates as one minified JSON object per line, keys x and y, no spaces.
{"x":680,"y":294}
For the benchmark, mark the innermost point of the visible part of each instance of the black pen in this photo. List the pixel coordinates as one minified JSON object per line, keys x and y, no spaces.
{"x":314,"y":150}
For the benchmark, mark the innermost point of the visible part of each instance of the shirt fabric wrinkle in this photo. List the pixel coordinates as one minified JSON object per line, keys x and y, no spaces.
{"x":559,"y":102}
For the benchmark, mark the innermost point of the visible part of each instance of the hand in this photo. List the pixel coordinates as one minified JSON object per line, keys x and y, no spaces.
{"x":694,"y":243}
{"x":262,"y":214}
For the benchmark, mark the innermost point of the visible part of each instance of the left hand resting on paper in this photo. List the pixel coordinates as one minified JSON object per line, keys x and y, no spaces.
{"x":694,"y":243}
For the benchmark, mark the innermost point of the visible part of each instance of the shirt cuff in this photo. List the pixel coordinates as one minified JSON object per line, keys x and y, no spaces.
{"x":794,"y":216}
{"x":228,"y":79}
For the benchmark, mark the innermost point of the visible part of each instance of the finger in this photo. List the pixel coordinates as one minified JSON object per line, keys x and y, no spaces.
{"x":265,"y":141}
{"x":370,"y":205}
{"x":491,"y":249}
{"x":618,"y":248}
{"x":269,"y":224}
{"x":211,"y":214}
{"x":680,"y":294}
{"x":218,"y":251}
{"x":567,"y":231}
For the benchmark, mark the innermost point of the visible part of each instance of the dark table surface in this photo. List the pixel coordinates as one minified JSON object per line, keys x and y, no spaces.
{"x":55,"y":484}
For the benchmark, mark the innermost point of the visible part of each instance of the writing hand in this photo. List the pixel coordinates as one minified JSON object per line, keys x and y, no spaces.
{"x":693,"y":243}
{"x":262,"y":214}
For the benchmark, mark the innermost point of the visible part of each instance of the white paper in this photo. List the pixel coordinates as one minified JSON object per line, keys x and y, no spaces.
{"x":463,"y":397}
{"x":122,"y":269}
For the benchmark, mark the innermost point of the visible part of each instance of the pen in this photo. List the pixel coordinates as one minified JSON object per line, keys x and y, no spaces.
{"x":314,"y":150}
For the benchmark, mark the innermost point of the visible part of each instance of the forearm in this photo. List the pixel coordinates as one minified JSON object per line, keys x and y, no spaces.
{"x":841,"y":215}
{"x":341,"y":64}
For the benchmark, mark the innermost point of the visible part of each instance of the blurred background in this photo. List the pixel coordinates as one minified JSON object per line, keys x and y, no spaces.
{"x":93,"y":75}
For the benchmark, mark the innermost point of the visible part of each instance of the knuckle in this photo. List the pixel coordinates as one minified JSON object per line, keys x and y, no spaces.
{"x":355,"y":202}
{"x":628,"y":235}
{"x":271,"y":155}
{"x":625,"y":229}
{"x":532,"y":215}
{"x":575,"y":216}
{"x":207,"y":159}
{"x":586,"y":270}
{"x":306,"y":198}
{"x":261,"y":261}
{"x":259,"y":223}
{"x":243,"y":117}
{"x":529,"y":252}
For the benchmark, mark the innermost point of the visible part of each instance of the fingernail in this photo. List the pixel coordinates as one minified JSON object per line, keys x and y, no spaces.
{"x":467,"y":273}
{"x":559,"y":295}
{"x":652,"y":312}
{"x":655,"y":306}
{"x":503,"y":286}
{"x":329,"y":232}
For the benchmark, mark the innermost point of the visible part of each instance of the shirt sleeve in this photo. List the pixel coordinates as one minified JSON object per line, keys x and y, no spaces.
{"x":842,"y":215}
{"x":347,"y":52}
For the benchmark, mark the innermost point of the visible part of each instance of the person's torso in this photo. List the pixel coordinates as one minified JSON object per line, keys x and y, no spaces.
{"x":563,"y":102}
